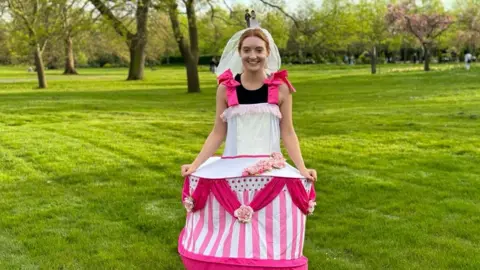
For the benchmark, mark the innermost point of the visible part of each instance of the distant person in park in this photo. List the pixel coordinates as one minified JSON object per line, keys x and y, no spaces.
{"x":247,"y":209}
{"x":468,"y":60}
{"x":213,"y":65}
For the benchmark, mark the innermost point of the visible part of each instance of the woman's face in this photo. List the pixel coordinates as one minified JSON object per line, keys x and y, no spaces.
{"x":254,"y":54}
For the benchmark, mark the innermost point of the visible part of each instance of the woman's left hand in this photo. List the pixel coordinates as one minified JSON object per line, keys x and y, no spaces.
{"x":310,"y":174}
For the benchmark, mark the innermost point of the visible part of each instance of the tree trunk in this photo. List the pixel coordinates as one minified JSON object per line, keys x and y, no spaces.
{"x":374,"y":60}
{"x":42,"y":81}
{"x":69,"y":59}
{"x":137,"y":58}
{"x":193,"y":80}
{"x":136,"y":42}
{"x":426,"y":53}
{"x":192,"y":29}
{"x":189,"y":53}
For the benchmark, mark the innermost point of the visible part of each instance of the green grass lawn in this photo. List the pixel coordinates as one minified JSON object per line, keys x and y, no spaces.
{"x":89,"y":168}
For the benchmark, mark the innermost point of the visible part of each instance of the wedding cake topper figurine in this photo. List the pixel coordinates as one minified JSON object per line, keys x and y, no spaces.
{"x":253,"y":20}
{"x":247,"y":18}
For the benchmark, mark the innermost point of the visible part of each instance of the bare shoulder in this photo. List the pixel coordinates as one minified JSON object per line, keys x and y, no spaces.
{"x":283,"y":93}
{"x":221,"y":90}
{"x":283,"y":89}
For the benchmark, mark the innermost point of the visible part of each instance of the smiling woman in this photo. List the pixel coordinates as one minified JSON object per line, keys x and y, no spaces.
{"x":248,"y":208}
{"x":254,"y":48}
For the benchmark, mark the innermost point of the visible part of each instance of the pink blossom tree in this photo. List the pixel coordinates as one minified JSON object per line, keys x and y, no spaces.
{"x":469,"y":22}
{"x":407,"y":17}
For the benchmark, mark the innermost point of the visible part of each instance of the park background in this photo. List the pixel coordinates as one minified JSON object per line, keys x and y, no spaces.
{"x":102,"y":101}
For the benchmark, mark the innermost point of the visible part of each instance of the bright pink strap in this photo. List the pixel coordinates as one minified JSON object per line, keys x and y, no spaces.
{"x":274,"y":81}
{"x":227,"y":79}
{"x":282,"y":75}
{"x":245,"y":156}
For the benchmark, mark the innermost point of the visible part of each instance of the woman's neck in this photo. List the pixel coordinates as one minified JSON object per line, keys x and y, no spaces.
{"x":255,"y":76}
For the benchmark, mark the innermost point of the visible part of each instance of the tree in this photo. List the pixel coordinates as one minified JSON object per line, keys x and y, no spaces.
{"x":161,"y":42}
{"x":469,"y":22}
{"x":371,"y":27}
{"x":189,"y":50}
{"x":38,"y":18}
{"x":136,"y":41}
{"x":74,"y":20}
{"x":425,"y":25}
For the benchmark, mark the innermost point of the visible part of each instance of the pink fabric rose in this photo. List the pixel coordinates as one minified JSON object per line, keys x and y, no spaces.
{"x":277,"y":155}
{"x":278,"y":164}
{"x":244,"y":214}
{"x":276,"y":161}
{"x":188,"y":203}
{"x":311,"y":206}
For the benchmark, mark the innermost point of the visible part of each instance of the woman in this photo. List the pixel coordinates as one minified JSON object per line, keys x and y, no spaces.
{"x":247,"y":209}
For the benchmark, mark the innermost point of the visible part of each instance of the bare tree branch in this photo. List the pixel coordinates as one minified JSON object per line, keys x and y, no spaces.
{"x":119,"y":27}
{"x":19,"y":13}
{"x":229,"y":22}
{"x":295,"y":21}
{"x":215,"y":26}
{"x":212,"y":10}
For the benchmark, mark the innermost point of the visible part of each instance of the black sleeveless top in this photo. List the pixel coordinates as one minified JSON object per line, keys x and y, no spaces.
{"x":251,"y":96}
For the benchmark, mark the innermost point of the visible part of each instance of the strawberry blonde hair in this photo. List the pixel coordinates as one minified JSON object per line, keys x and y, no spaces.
{"x":255,"y":32}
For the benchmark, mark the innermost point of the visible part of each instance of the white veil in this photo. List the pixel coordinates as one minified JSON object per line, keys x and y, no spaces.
{"x":231,"y":58}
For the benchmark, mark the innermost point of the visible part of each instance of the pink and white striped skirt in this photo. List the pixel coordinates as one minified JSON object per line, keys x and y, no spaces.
{"x":213,"y":238}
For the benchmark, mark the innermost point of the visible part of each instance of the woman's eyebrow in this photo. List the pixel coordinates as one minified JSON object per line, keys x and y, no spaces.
{"x":253,"y":47}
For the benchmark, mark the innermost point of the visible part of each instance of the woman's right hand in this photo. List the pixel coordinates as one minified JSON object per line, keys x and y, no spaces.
{"x":187,"y":169}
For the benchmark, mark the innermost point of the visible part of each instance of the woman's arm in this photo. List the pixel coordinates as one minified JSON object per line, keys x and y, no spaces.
{"x":287,"y":132}
{"x":216,"y":137}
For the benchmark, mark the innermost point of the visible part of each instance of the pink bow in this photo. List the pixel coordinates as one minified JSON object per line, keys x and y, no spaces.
{"x":226,"y":78}
{"x":278,"y":78}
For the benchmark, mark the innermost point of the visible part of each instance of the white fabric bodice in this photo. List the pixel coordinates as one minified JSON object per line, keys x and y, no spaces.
{"x":253,"y":129}
{"x":253,"y":132}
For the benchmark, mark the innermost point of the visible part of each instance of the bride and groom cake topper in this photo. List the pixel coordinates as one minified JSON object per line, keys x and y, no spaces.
{"x":251,"y":18}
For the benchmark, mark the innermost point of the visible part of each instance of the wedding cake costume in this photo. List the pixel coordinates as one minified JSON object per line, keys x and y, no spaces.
{"x":247,"y":209}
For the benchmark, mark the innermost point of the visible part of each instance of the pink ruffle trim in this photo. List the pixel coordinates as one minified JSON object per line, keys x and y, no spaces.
{"x":244,"y":109}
